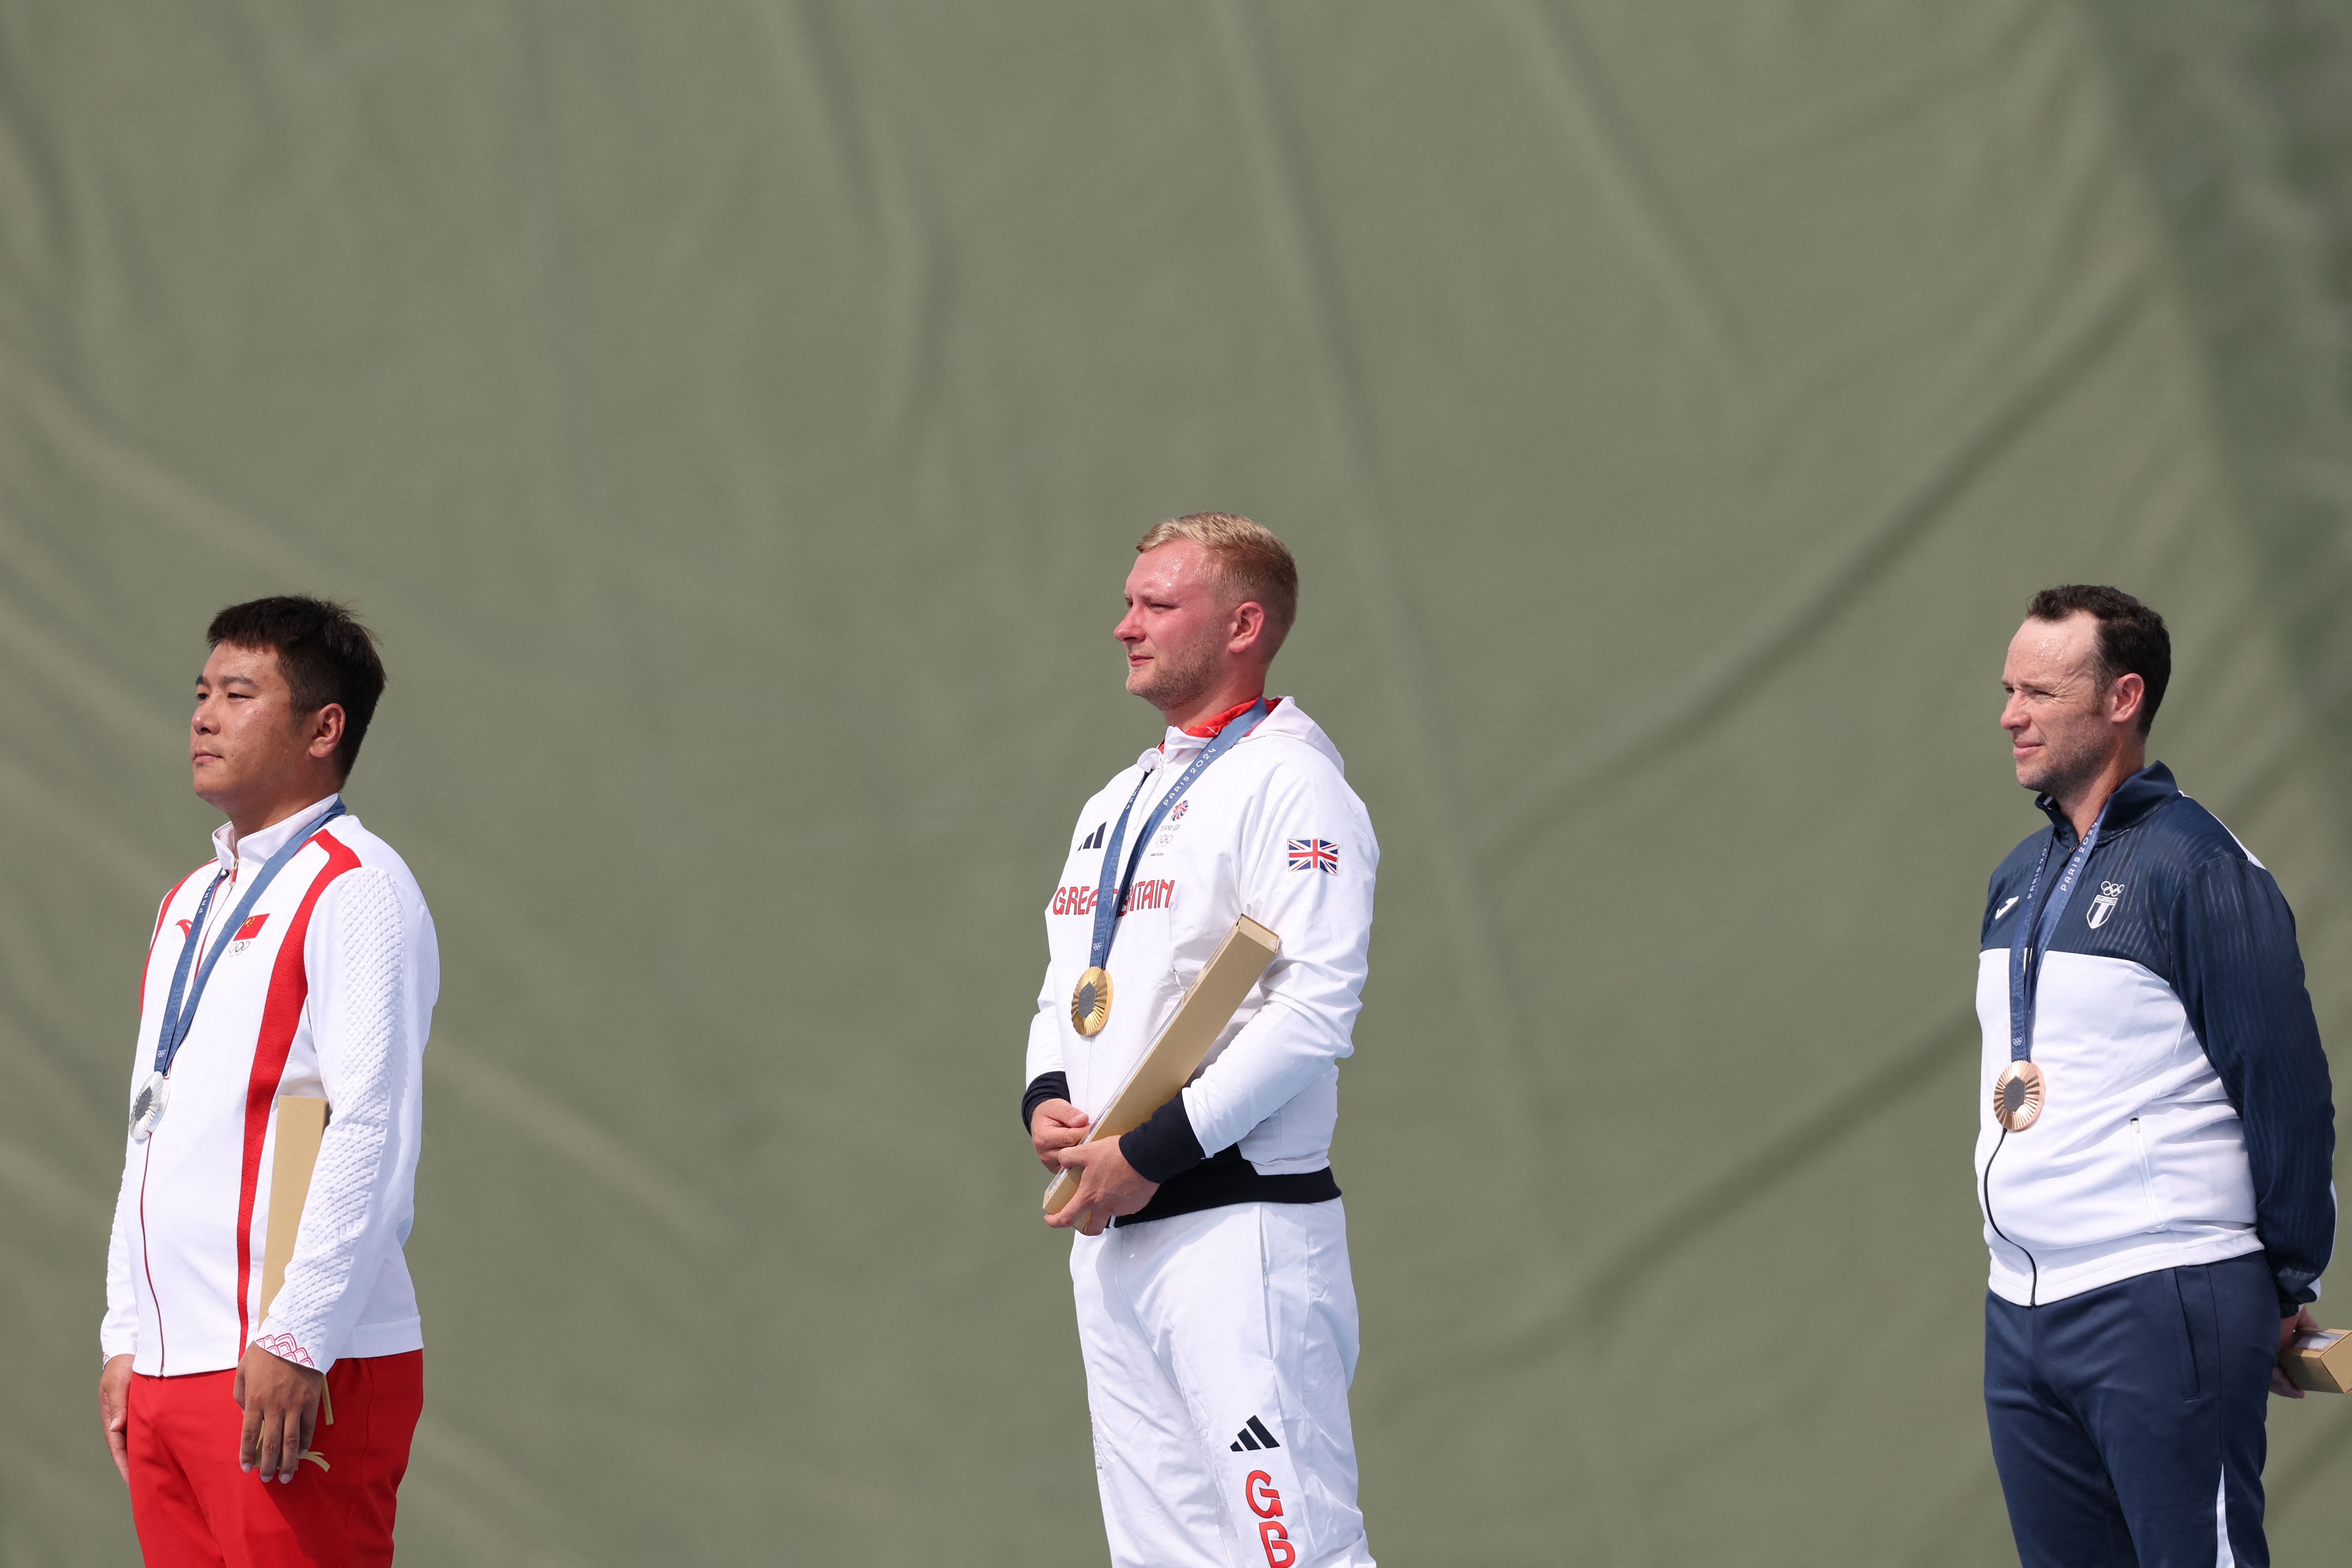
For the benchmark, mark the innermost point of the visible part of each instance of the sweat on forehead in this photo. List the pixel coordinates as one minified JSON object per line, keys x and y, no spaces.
{"x":2073,"y":642}
{"x":1244,"y":557}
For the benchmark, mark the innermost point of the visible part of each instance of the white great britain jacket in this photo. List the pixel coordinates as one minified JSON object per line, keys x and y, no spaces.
{"x":327,"y":990}
{"x":1270,"y":830}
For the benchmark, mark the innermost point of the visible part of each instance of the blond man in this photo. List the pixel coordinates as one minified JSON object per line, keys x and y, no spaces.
{"x":1215,"y":1308}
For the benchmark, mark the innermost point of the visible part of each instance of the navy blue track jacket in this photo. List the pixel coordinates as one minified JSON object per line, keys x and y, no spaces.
{"x":2186,"y":1116}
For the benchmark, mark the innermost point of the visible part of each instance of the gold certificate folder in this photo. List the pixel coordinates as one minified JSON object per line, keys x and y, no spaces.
{"x":1178,"y":1053}
{"x":302,"y":1125}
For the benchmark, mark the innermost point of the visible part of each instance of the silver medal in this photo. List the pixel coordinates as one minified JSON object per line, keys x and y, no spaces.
{"x":147,"y":1109}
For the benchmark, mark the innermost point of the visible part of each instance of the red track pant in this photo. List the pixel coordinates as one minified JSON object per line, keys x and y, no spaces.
{"x":194,"y":1509}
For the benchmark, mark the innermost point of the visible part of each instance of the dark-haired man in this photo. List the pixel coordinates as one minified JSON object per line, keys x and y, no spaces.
{"x":1217,"y":1314}
{"x":299,"y":960}
{"x":2156,"y":1139}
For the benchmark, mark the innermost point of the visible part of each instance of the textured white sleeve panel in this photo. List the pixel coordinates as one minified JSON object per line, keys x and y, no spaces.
{"x":1045,"y":1053}
{"x":118,"y":1332}
{"x":356,"y":952}
{"x":1045,"y":1035}
{"x":1314,"y":989}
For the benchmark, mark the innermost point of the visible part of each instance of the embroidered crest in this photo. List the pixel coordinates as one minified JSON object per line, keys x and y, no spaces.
{"x":2104,"y":904}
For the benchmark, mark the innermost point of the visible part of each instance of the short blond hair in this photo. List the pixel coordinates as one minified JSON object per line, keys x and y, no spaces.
{"x":1246,"y":557}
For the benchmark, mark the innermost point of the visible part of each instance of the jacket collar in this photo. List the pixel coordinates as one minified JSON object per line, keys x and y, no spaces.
{"x":2134,"y":798}
{"x":1286,"y":721}
{"x":1184,"y":742}
{"x":1208,"y":730}
{"x":257,"y":848}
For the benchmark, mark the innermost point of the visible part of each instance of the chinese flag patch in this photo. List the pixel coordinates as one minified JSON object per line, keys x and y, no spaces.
{"x":251,"y":928}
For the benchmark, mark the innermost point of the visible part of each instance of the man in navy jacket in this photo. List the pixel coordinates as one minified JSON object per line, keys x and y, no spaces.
{"x":2156,"y":1139}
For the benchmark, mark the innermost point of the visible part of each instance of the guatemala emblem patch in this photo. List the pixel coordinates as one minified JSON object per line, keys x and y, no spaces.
{"x":1315,"y":855}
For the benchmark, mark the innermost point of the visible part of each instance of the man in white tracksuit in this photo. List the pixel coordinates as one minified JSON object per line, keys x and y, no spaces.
{"x":1215,"y":1311}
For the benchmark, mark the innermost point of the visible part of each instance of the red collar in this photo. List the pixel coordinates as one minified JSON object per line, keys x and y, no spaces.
{"x":1212,"y":727}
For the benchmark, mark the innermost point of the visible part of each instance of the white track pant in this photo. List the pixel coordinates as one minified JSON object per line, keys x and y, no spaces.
{"x":1219,"y":1348}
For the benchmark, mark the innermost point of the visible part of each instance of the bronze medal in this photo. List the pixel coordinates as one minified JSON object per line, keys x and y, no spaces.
{"x":2017,"y":1096}
{"x":1090,"y":1002}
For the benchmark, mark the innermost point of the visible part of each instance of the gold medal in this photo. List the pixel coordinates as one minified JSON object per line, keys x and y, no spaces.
{"x":1090,"y":1002}
{"x":2017,"y":1096}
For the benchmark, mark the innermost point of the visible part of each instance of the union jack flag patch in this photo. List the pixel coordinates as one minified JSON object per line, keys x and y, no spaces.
{"x":1315,"y":855}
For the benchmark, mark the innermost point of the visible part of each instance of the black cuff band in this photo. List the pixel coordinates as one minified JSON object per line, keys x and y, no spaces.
{"x":1164,"y":1146}
{"x":1045,"y":1086}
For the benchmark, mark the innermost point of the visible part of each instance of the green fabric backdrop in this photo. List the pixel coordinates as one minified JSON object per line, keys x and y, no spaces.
{"x":735,"y":418}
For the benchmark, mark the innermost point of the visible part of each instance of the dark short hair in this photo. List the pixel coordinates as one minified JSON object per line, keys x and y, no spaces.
{"x":322,"y":650}
{"x":2132,"y":638}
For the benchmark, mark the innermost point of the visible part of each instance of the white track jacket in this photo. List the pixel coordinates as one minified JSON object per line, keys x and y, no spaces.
{"x":1271,"y":830}
{"x":327,"y":989}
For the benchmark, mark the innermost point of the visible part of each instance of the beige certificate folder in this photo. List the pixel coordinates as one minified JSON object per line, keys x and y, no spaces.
{"x":2321,"y":1363}
{"x":302,"y":1125}
{"x":1177,"y":1055}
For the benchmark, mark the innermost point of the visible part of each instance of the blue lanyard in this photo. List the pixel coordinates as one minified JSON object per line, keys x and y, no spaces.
{"x":1108,"y":899}
{"x":178,"y":1020}
{"x":2031,"y":939}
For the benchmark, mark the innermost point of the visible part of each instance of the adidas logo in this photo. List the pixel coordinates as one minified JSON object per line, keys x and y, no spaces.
{"x":1093,"y":840}
{"x":1255,"y":1436}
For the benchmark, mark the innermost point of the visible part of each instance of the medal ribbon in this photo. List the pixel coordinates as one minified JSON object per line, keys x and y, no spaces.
{"x":178,"y":1020}
{"x":2031,"y":939}
{"x":1108,"y":899}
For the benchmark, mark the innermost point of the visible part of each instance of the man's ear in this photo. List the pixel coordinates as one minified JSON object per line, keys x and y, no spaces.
{"x":324,"y":730}
{"x":1248,"y":624}
{"x":2125,"y":697}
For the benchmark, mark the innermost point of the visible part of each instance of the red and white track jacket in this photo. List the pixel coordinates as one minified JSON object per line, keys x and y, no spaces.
{"x":328,"y":990}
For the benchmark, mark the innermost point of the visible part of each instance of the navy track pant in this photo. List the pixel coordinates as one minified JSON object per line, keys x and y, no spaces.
{"x":2128,"y":1421}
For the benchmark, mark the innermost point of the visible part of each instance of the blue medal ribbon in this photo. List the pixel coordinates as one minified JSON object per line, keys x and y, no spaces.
{"x":1108,"y":898}
{"x":178,"y":1019}
{"x":2036,"y":925}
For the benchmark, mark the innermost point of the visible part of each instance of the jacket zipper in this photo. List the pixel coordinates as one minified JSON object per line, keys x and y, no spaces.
{"x":2147,"y":1180}
{"x":163,"y":1345}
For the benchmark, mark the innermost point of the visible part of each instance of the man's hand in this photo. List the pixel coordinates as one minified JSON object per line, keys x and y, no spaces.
{"x":114,"y":1411}
{"x":281,"y":1410}
{"x":1107,"y":1186}
{"x":2301,"y":1324}
{"x":1056,"y":1125}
